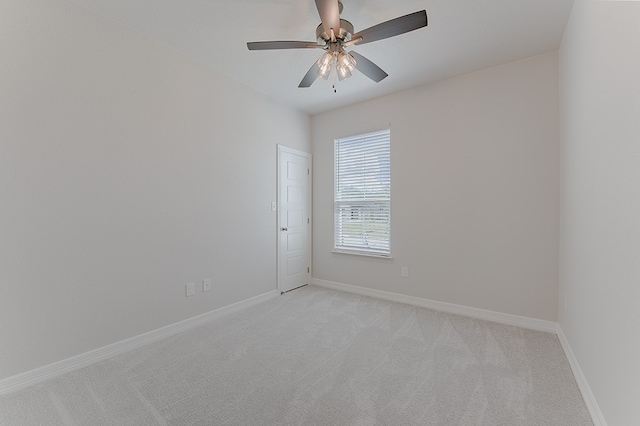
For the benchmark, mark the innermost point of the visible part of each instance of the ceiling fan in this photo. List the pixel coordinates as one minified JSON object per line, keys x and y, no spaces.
{"x":335,"y":34}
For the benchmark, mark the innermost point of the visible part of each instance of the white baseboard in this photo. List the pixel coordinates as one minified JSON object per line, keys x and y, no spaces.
{"x":41,"y":374}
{"x":509,"y":319}
{"x":581,"y":380}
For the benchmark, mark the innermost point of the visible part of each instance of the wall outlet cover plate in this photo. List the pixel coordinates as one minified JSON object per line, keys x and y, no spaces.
{"x":190,"y":289}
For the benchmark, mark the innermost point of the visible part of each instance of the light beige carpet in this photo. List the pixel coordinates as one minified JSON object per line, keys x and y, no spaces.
{"x":318,"y":356}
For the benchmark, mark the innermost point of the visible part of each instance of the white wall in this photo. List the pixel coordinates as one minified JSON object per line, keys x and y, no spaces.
{"x":599,"y":288}
{"x":474,"y":190}
{"x":126,"y":171}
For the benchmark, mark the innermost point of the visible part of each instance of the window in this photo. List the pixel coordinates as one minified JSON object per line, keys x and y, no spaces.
{"x":362,"y":200}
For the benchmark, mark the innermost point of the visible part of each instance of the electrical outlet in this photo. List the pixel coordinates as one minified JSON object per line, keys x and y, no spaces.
{"x":206,"y":284}
{"x":190,"y":289}
{"x":404,"y":272}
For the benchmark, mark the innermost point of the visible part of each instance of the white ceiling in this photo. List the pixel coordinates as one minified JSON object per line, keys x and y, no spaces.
{"x":462,"y":36}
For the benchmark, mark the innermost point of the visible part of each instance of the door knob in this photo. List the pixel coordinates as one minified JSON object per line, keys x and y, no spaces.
{"x":284,"y":229}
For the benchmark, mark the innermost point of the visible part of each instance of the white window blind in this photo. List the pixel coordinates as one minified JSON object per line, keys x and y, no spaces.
{"x":362,"y":201}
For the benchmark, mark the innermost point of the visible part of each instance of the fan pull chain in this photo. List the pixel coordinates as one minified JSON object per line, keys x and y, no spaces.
{"x":335,"y":72}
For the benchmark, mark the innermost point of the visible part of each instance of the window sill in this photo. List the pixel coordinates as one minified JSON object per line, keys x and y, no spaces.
{"x":362,"y":253}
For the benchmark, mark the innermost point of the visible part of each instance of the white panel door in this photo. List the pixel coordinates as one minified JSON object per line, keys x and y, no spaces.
{"x":294,"y":218}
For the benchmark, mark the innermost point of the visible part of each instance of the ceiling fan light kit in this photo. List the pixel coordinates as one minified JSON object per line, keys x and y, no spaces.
{"x":335,"y":34}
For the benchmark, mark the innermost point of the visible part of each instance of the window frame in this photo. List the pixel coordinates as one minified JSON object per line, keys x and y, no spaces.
{"x":385,"y":203}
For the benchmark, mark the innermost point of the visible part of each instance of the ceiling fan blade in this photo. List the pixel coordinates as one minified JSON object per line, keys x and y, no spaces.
{"x":368,"y":68}
{"x":391,"y":28}
{"x":329,"y":12}
{"x":310,"y":76}
{"x":270,"y":45}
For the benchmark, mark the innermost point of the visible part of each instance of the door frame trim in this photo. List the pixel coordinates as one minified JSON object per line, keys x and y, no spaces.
{"x":281,"y":149}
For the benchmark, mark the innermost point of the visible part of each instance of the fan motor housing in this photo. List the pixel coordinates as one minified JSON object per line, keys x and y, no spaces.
{"x":346,"y":30}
